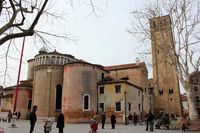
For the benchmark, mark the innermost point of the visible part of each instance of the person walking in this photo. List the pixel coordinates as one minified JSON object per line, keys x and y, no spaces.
{"x":103,"y":119}
{"x":149,"y":121}
{"x":97,"y":118}
{"x":9,"y":116}
{"x":135,"y":119}
{"x":60,"y":122}
{"x":18,"y":114}
{"x":33,"y":118}
{"x":113,"y":121}
{"x":130,"y":118}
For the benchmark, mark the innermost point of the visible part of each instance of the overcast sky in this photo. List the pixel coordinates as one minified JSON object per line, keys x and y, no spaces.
{"x":101,"y":39}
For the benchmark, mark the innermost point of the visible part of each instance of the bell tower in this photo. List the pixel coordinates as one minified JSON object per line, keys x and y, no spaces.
{"x":165,"y":80}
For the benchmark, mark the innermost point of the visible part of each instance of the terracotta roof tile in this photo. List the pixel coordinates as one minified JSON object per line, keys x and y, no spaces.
{"x":124,"y":66}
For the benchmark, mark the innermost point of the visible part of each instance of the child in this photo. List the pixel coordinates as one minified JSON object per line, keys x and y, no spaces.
{"x":93,"y":126}
{"x":47,"y":126}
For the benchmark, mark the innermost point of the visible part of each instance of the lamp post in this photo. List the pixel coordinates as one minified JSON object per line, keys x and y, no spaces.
{"x":150,"y":98}
{"x":125,"y":93}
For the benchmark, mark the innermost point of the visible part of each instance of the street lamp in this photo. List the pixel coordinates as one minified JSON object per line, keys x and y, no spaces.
{"x":125,"y":93}
{"x":150,"y":94}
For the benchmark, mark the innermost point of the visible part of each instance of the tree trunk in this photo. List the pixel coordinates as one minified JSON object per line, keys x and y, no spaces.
{"x":192,"y":109}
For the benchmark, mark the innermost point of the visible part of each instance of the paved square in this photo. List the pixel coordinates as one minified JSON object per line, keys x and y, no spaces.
{"x":23,"y":127}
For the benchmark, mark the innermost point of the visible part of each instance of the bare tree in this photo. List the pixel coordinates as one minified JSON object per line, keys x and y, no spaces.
{"x":22,"y":18}
{"x":14,"y":13}
{"x":185,"y":24}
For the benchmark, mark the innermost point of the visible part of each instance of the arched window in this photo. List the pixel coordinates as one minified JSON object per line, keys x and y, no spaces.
{"x":86,"y":102}
{"x":58,"y":97}
{"x":53,"y":60}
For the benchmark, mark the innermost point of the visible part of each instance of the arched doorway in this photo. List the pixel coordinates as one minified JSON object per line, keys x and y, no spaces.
{"x":58,"y":97}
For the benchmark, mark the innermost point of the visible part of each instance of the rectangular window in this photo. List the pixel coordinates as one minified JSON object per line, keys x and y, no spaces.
{"x":101,"y":106}
{"x":195,"y":81}
{"x":195,"y":88}
{"x":117,"y":88}
{"x":171,"y":91}
{"x":29,"y":104}
{"x":118,"y":106}
{"x":102,"y":76}
{"x":58,"y":60}
{"x":138,"y":93}
{"x":129,"y":106}
{"x":197,"y":99}
{"x":101,"y":89}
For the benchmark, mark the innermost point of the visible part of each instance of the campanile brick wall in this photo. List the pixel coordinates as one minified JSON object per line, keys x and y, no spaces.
{"x":164,"y":74}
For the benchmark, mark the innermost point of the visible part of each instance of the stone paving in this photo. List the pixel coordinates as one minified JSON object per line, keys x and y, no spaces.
{"x":23,"y":127}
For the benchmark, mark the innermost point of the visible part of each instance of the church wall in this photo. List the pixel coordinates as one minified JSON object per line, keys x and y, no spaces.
{"x":30,"y":69}
{"x":80,"y":79}
{"x":46,"y":78}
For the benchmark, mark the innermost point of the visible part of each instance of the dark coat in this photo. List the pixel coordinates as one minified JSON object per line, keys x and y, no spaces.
{"x":130,"y":117}
{"x":60,"y":121}
{"x":150,"y":117}
{"x":113,"y":118}
{"x":33,"y":117}
{"x":103,"y":117}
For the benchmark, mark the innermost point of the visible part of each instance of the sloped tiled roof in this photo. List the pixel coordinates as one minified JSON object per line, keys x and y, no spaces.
{"x":118,"y":81}
{"x":124,"y":66}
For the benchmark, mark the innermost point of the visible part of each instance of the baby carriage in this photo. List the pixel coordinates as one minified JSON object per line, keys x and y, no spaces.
{"x":93,"y":126}
{"x":47,"y":126}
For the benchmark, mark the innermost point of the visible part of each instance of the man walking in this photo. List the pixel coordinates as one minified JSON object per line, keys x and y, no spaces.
{"x":113,"y":121}
{"x":149,"y":121}
{"x":103,"y":119}
{"x":33,"y":118}
{"x":60,"y":122}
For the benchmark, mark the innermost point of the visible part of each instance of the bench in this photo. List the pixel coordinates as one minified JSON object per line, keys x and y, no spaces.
{"x":174,"y":124}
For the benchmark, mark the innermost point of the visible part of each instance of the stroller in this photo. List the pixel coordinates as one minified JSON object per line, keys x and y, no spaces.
{"x":93,"y":126}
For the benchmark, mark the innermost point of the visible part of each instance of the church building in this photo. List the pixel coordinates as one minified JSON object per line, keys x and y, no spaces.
{"x":59,"y":82}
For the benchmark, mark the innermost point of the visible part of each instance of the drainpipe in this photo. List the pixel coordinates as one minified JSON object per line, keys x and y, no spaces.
{"x":97,"y":98}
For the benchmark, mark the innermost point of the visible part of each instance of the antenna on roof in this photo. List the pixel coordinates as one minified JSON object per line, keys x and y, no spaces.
{"x":137,"y":59}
